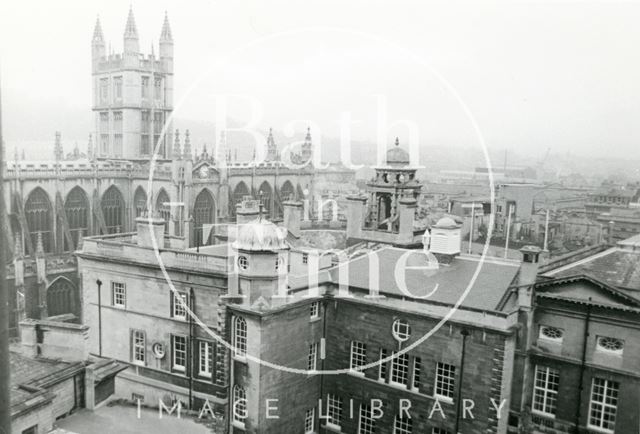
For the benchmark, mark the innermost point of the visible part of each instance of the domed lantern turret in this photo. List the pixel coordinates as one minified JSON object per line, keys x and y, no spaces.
{"x":397,"y":156}
{"x":395,"y":179}
{"x":261,"y":260}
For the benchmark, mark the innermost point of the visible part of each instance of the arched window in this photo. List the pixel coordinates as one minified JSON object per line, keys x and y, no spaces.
{"x":240,"y":336}
{"x":61,"y":297}
{"x":76,"y":208}
{"x":239,"y":192}
{"x":264,"y":194}
{"x":239,"y":404}
{"x":204,"y":211}
{"x":164,"y":209}
{"x":39,"y":218}
{"x":140,"y":201}
{"x":287,"y":192}
{"x":113,"y":210}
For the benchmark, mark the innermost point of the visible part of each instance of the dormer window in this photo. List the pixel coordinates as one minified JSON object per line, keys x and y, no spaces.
{"x":551,"y":333}
{"x":610,"y":345}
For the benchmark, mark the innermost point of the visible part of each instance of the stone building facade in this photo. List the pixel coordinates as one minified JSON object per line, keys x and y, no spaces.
{"x":55,"y":203}
{"x":577,"y":356}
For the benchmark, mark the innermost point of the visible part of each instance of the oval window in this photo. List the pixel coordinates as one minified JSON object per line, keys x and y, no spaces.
{"x":243,"y":262}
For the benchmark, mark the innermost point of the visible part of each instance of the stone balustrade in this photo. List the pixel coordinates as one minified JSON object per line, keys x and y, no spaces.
{"x":173,"y":255}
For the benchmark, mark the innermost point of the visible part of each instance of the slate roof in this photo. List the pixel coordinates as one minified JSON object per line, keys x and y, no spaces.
{"x":446,"y":284}
{"x":616,"y":267}
{"x":33,"y":372}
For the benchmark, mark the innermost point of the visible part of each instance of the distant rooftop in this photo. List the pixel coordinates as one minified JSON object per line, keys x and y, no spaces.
{"x":494,"y":278}
{"x":618,"y":266}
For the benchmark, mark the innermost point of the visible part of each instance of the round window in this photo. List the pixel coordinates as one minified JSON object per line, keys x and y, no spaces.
{"x":401,"y":330}
{"x":551,"y":332}
{"x":610,"y":344}
{"x":243,"y":262}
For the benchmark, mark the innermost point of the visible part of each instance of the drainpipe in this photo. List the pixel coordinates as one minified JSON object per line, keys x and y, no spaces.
{"x":325,"y":305}
{"x":231,"y":376}
{"x":465,"y":333}
{"x":198,"y":235}
{"x":582,"y":364}
{"x":99,"y":283}
{"x":192,"y":298}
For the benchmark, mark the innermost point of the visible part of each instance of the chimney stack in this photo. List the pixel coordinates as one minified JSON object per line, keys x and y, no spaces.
{"x":247,"y":210}
{"x":149,"y":228}
{"x":356,"y":215}
{"x":407,"y":212}
{"x":292,"y":217}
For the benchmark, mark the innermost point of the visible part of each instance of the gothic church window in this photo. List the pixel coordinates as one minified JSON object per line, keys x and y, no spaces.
{"x":39,"y":218}
{"x":164,"y":209}
{"x":113,"y":210}
{"x":140,"y":202}
{"x":76,"y":208}
{"x":203,"y":213}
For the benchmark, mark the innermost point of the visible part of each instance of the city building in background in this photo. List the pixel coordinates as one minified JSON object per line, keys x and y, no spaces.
{"x":244,"y":290}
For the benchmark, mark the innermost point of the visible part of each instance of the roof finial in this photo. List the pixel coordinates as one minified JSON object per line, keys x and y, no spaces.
{"x":176,"y":145}
{"x":397,"y":142}
{"x":306,"y":147}
{"x":98,"y":36}
{"x":165,"y":34}
{"x":90,"y":148}
{"x":39,"y":245}
{"x":187,"y":143}
{"x":57,"y":150}
{"x":272,"y":150}
{"x":130,"y":29}
{"x":80,"y":242}
{"x":17,"y":251}
{"x":204,"y":154}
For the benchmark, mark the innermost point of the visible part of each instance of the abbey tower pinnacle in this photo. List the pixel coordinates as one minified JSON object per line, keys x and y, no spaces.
{"x":132,"y":95}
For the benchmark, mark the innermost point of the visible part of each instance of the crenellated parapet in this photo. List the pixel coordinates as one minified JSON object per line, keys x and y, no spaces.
{"x":83,"y":169}
{"x":115,"y":62}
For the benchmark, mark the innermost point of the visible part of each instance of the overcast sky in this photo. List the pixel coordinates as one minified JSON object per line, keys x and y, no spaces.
{"x":564,"y":75}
